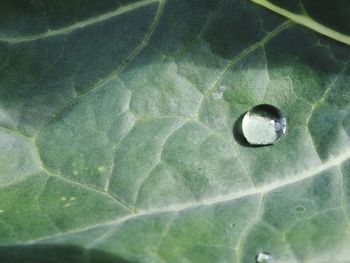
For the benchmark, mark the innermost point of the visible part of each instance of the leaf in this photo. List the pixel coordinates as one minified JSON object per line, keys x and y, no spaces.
{"x":330,"y":18}
{"x":117,"y":144}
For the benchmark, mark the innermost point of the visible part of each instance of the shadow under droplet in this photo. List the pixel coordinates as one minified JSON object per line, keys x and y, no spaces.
{"x":239,"y":136}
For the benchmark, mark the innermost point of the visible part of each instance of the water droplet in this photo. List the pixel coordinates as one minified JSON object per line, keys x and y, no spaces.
{"x":263,"y":125}
{"x":263,"y":257}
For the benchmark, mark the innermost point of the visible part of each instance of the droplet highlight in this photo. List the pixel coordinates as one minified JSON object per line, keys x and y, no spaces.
{"x":263,"y":125}
{"x":263,"y":257}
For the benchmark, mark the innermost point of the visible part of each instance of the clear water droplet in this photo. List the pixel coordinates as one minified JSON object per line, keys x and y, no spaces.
{"x":263,"y":257}
{"x":263,"y":125}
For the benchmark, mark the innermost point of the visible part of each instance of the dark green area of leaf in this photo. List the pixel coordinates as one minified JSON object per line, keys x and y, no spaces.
{"x":333,"y":14}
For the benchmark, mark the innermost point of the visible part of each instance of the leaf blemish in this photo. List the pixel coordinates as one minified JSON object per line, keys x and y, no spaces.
{"x":217,"y":95}
{"x":101,"y":169}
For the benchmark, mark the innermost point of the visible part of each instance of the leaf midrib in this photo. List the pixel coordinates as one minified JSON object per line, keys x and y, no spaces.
{"x":262,"y":190}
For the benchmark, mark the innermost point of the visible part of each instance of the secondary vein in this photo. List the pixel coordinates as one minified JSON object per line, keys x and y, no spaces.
{"x":81,"y":24}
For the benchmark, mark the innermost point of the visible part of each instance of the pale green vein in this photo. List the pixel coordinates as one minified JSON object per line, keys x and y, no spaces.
{"x":18,"y":181}
{"x":159,"y":161}
{"x":71,"y":28}
{"x":241,"y":55}
{"x":321,"y":101}
{"x":210,"y":131}
{"x":48,"y":69}
{"x":88,"y":187}
{"x":115,"y":148}
{"x":267,"y":188}
{"x":104,"y":236}
{"x":233,"y":148}
{"x":305,"y":21}
{"x":115,"y":74}
{"x":243,"y":236}
{"x":16,"y":132}
{"x":48,"y":216}
{"x":166,"y":231}
{"x":210,"y":18}
{"x":267,"y":73}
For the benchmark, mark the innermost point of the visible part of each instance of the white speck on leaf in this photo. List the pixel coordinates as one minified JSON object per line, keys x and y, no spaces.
{"x":217,"y":95}
{"x":223,"y":88}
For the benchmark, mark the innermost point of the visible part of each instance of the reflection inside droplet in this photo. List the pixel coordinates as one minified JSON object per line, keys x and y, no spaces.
{"x":263,"y":257}
{"x":263,"y":125}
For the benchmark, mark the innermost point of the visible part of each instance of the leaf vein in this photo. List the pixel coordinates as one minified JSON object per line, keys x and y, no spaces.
{"x":88,"y":22}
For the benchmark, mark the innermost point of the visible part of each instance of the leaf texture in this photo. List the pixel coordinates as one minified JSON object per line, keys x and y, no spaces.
{"x":117,"y":137}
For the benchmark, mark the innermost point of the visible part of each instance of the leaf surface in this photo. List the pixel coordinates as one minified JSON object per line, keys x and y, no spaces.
{"x":117,"y":139}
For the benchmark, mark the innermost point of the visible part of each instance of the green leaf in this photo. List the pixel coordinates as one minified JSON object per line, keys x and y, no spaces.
{"x":330,"y":18}
{"x":117,"y":144}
